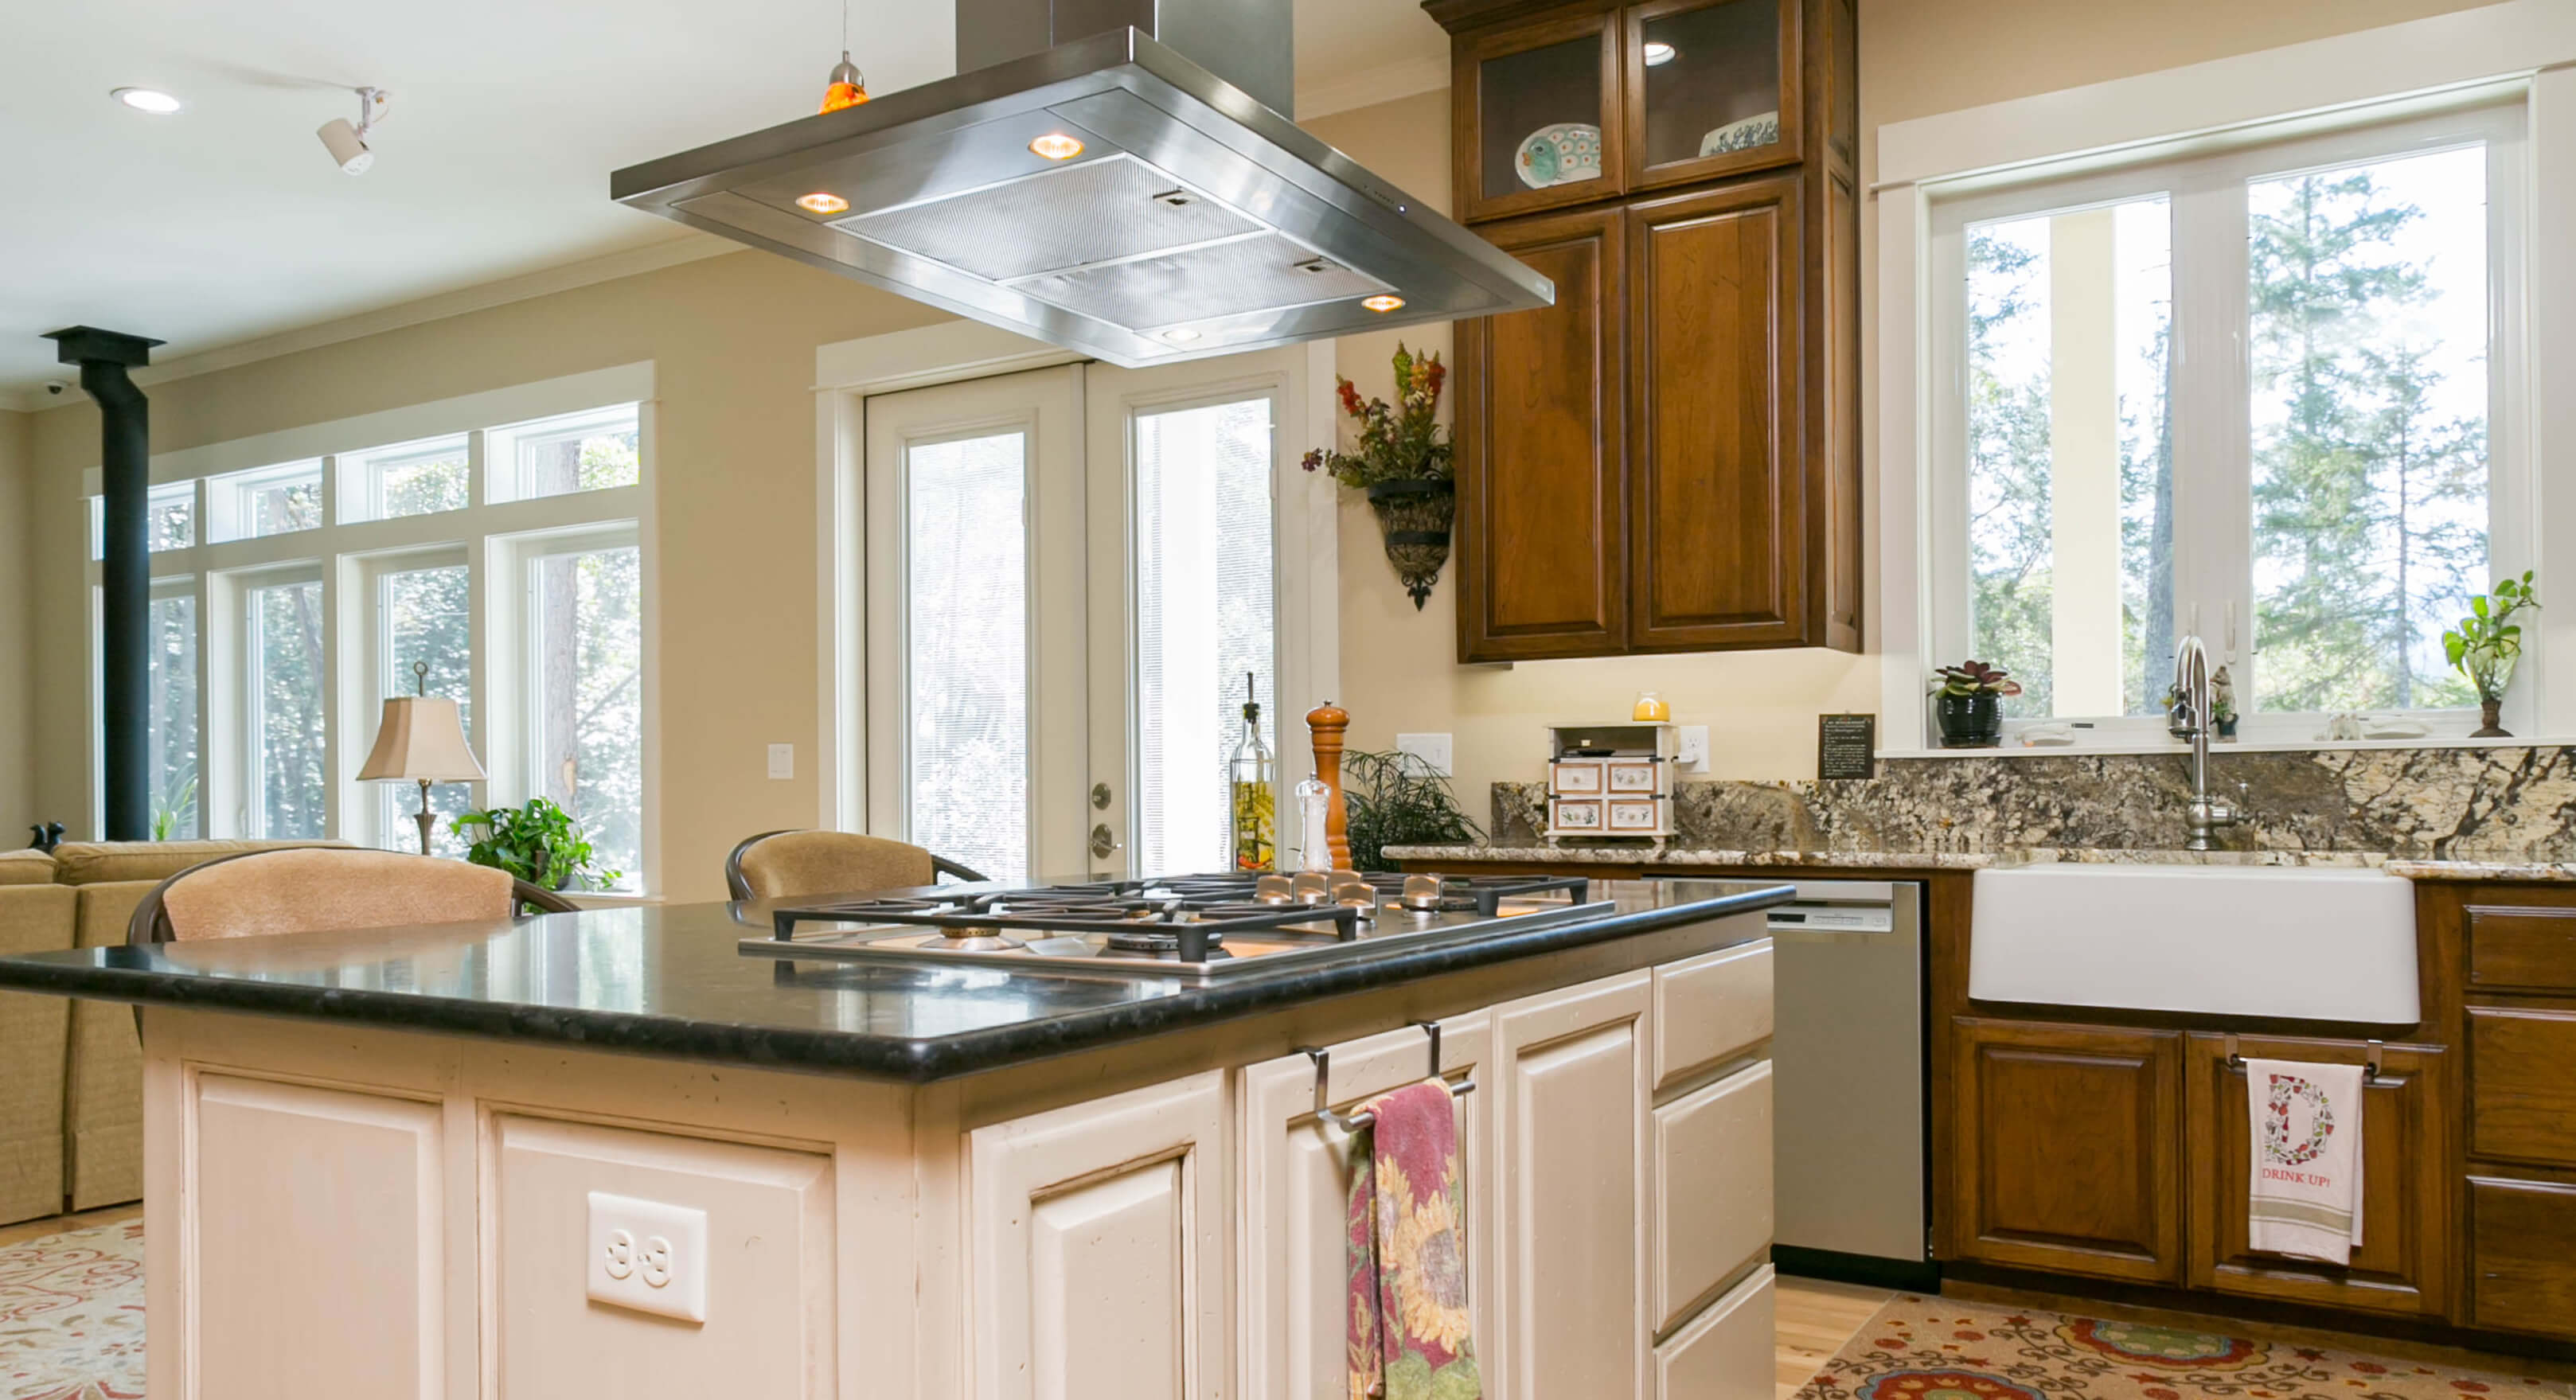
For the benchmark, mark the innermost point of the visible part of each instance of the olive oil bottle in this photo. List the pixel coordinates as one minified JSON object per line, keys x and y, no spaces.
{"x":1252,"y":795}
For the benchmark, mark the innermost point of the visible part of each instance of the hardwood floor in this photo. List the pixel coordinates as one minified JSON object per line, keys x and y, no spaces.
{"x":57,"y":1224}
{"x":1812,"y":1320}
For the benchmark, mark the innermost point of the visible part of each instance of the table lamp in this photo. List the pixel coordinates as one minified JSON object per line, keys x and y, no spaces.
{"x":421,"y":739}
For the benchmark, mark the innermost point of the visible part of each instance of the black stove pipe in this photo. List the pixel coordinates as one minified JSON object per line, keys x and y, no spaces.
{"x":125,"y":573}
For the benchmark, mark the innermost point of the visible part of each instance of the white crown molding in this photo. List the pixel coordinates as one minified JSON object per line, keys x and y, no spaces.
{"x":483,"y":296}
{"x":1371,"y":86}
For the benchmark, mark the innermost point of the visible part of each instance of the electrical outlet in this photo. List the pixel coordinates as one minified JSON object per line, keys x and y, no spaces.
{"x":782,"y":760}
{"x":1692,"y":755}
{"x":1432,"y":749}
{"x":647,"y":1256}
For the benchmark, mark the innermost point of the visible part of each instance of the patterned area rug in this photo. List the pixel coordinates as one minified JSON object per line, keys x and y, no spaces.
{"x":1920,"y":1348}
{"x":71,"y":1315}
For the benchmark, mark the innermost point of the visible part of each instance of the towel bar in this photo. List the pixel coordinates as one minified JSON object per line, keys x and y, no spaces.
{"x":2370,"y":1068}
{"x":1353,"y":1123}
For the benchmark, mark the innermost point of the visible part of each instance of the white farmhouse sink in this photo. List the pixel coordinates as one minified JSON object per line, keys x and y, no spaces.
{"x":2293,"y":943}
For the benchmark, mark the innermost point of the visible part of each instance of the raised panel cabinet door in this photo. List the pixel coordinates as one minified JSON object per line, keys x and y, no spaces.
{"x":316,"y":1259}
{"x":1098,"y":1248}
{"x":1712,"y":1190}
{"x":1570,"y":1119}
{"x":1728,"y":1352}
{"x":2069,"y":1148}
{"x":2525,"y":948}
{"x":2522,"y":1102}
{"x":1717,"y":498}
{"x":2404,"y":1263}
{"x":1293,"y":1276}
{"x":1534,"y":120}
{"x":1541,"y":475}
{"x":2522,"y":1256}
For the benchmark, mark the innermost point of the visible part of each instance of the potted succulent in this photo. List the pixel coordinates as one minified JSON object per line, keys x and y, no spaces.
{"x":1968,"y":700}
{"x":1402,"y":458}
{"x":2487,"y":643}
{"x":540,"y":843}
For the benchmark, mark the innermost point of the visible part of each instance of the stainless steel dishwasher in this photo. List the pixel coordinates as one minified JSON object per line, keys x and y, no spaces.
{"x":1849,"y":1125}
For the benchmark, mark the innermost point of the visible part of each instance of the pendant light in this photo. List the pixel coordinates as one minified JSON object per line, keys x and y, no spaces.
{"x":847,"y":87}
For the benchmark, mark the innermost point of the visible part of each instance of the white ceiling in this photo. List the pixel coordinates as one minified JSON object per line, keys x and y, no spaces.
{"x":228,"y":222}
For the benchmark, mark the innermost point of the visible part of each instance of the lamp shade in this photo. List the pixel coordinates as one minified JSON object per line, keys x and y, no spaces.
{"x":421,"y":739}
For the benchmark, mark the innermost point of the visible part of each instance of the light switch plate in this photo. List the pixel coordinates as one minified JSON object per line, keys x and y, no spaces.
{"x":1692,"y":755}
{"x":1432,"y":749}
{"x":782,"y":760}
{"x":647,"y":1256}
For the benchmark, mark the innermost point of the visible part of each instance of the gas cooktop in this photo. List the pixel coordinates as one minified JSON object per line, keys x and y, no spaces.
{"x":1184,"y":926}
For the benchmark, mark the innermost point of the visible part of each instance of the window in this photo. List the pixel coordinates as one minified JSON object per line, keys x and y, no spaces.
{"x":422,"y":616}
{"x":586,"y":700}
{"x":170,"y":518}
{"x":591,"y":451}
{"x":1204,"y":621}
{"x":284,"y":668}
{"x":966,"y":627}
{"x":270,"y":501}
{"x":413,"y":478}
{"x":2244,"y":396}
{"x":293,"y":599}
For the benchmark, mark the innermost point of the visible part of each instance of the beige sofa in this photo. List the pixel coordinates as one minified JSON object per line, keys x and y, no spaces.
{"x":71,"y":1084}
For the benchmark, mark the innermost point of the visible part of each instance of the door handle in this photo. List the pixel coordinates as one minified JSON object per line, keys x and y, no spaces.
{"x":1102,"y":842}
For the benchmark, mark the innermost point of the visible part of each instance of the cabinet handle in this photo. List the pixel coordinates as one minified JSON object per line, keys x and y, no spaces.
{"x":1355,"y":1122}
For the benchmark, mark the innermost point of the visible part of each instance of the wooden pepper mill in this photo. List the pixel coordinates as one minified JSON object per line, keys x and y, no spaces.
{"x":1327,"y":721}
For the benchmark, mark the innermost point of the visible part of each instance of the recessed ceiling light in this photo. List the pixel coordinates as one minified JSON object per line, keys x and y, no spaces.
{"x":153,"y":100}
{"x":1383,"y":302}
{"x":1055,"y":145}
{"x":822,"y":203}
{"x":1181,"y":335}
{"x":1659,"y":53}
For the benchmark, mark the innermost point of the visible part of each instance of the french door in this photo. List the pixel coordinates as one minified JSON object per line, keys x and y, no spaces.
{"x":1075,"y":582}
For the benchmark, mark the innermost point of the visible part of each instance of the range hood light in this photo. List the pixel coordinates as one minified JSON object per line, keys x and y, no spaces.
{"x":1659,"y":53}
{"x":1180,"y":335}
{"x":1383,"y":302}
{"x":1055,"y":145}
{"x":847,"y":87}
{"x":153,"y":100}
{"x":822,"y":203}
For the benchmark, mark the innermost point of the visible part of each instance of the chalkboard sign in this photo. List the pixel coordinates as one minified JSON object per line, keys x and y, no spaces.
{"x":1846,"y":746}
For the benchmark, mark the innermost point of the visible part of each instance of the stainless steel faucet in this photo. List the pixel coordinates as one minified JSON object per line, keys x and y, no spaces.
{"x":2194,"y":699}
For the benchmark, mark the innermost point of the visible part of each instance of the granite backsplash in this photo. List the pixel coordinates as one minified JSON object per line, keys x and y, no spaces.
{"x":2433,"y":803}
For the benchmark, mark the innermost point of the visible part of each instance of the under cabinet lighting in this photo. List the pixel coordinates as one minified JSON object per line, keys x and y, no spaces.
{"x":1055,"y":145}
{"x":1383,"y":302}
{"x":1180,"y":335}
{"x":153,"y":100}
{"x":822,"y":203}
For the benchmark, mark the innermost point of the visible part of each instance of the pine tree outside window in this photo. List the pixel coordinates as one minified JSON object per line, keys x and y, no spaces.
{"x":2264,"y":395}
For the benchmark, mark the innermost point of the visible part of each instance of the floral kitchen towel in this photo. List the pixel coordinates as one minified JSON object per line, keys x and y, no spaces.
{"x":1408,"y":1254}
{"x":2306,"y":1197}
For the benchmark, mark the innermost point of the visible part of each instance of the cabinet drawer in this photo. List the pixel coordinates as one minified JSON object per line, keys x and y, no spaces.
{"x":2522,"y":1103}
{"x":1710,"y":1007}
{"x":2522,"y":949}
{"x":1726,"y":1352}
{"x":1712,"y":1188}
{"x":2522,"y":1256}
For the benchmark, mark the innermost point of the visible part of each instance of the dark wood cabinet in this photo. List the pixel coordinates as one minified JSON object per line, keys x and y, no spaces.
{"x":2404,"y":1263}
{"x":2069,"y":1149}
{"x":2522,"y":1256}
{"x":1667,"y":459}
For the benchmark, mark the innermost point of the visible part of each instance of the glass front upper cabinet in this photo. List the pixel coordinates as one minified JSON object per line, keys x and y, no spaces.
{"x":1544,"y":128}
{"x":1712,"y":88}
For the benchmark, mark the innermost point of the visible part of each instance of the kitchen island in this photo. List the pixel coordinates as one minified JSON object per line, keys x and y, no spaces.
{"x":616,"y":1152}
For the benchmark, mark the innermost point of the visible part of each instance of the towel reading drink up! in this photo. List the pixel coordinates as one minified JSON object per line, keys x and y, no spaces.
{"x":2306,"y":1196}
{"x":1408,"y":1253}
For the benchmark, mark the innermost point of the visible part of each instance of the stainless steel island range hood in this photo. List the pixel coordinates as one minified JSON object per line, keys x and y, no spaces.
{"x":1083,"y":182}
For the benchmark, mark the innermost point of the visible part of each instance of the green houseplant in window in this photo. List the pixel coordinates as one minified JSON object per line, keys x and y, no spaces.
{"x":540,"y":843}
{"x":2487,"y":644}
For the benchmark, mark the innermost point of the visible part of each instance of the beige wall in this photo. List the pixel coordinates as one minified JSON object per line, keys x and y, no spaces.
{"x":18,"y":806}
{"x":732,"y":339}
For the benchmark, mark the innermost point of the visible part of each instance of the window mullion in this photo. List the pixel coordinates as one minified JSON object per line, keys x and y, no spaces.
{"x":2213,"y":498}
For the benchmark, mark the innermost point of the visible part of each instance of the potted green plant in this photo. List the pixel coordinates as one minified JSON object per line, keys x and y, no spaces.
{"x":1402,"y":458}
{"x":1968,"y":701}
{"x":2487,"y":644}
{"x":1394,"y":799}
{"x":540,"y":843}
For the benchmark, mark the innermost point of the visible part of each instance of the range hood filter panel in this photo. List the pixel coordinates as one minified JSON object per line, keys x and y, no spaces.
{"x":1059,"y":218}
{"x":1269,"y":273}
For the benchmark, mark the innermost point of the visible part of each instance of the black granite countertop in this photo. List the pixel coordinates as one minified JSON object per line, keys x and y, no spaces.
{"x":672,"y":981}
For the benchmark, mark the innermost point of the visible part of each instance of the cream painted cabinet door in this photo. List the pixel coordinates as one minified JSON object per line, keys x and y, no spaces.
{"x":1296,"y":1189}
{"x":1100,"y":1248}
{"x":1571,"y":1075}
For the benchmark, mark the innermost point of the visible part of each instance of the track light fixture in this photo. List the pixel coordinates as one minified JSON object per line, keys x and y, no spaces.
{"x":347,"y":142}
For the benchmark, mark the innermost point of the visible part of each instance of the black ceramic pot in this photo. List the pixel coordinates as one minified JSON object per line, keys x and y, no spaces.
{"x":1970,"y":721}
